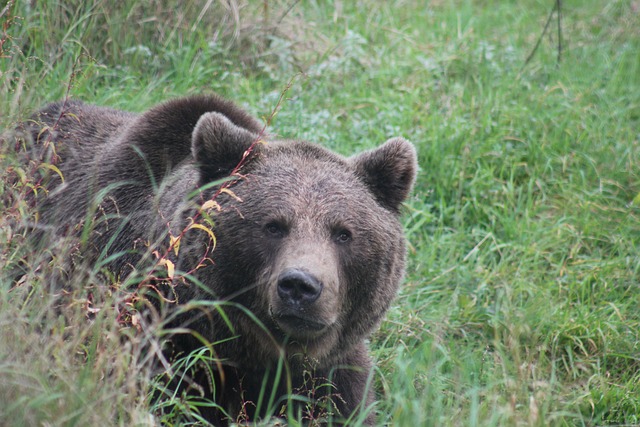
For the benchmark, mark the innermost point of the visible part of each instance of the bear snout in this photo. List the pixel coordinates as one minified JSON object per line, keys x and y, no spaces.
{"x":297,"y":288}
{"x":298,"y":308}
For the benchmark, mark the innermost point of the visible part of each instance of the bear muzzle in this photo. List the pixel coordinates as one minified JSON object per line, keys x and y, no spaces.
{"x":297,"y":288}
{"x":297,"y":305}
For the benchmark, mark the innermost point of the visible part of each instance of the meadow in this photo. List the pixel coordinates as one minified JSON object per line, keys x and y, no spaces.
{"x":521,"y":304}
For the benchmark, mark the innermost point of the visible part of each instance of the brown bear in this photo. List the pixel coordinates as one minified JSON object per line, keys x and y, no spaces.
{"x":302,"y":248}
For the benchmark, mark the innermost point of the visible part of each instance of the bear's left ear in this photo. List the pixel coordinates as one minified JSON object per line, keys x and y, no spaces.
{"x":389,"y":171}
{"x":218,"y":145}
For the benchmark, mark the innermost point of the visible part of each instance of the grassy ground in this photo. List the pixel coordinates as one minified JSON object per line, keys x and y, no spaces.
{"x":521,"y":304}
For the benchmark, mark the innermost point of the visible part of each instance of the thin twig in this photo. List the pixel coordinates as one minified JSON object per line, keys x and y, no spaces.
{"x":559,"y":10}
{"x":556,"y":6}
{"x":286,"y":12}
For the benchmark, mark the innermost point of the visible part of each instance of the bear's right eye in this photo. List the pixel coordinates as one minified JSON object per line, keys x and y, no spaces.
{"x":275,"y":229}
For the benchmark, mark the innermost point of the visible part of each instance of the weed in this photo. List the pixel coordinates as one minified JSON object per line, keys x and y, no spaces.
{"x":521,"y":299}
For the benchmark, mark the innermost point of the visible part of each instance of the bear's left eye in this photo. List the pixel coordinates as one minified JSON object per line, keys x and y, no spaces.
{"x":342,"y":236}
{"x":275,"y":229}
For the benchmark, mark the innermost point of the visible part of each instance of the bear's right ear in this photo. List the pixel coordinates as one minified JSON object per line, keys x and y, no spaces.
{"x":218,"y":145}
{"x":389,"y":171}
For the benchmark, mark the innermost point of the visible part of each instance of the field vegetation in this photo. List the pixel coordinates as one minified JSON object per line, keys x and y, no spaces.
{"x":521,"y":304}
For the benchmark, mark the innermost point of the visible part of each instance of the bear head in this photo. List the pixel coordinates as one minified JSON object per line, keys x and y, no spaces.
{"x":308,"y":241}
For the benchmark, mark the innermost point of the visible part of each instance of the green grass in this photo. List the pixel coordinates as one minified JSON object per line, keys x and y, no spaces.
{"x":522,"y":299}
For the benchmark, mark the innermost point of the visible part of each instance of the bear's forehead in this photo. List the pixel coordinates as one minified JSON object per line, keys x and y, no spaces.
{"x":315,"y":205}
{"x":300,"y":179}
{"x":299,"y":161}
{"x":308,"y":174}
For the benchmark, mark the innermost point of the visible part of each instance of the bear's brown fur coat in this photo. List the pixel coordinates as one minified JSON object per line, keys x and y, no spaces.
{"x":307,"y":241}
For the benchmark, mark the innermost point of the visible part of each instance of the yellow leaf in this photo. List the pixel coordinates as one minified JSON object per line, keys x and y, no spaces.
{"x":170,"y":269}
{"x":174,"y":242}
{"x":211,"y":204}
{"x":53,"y":168}
{"x":231,"y":193}
{"x":207,"y":230}
{"x":20,"y":172}
{"x":207,"y":219}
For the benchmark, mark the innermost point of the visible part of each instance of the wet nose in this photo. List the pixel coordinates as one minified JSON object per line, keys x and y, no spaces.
{"x":297,"y":287}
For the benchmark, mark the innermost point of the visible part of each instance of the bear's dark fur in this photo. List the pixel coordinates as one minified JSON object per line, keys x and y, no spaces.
{"x":306,"y":241}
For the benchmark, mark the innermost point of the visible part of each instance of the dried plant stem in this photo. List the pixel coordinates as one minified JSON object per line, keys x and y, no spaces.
{"x":557,"y":7}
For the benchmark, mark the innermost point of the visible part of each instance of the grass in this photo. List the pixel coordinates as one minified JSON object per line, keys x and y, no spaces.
{"x":521,"y":301}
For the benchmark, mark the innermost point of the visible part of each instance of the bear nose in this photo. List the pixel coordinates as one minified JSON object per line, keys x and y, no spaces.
{"x":297,"y":287}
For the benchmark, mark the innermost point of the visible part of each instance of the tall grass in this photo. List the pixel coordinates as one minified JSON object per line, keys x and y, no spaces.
{"x":521,"y":300}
